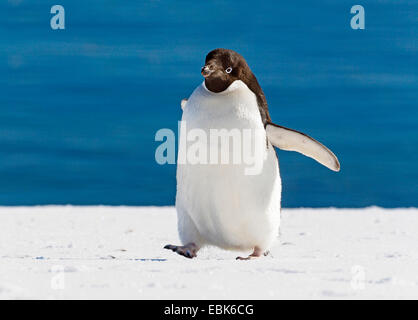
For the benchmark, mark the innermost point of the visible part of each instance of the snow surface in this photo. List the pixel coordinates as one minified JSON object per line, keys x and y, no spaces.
{"x":67,"y":252}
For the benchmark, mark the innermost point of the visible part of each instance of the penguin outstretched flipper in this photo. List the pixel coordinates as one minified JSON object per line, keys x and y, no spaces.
{"x":292,"y":140}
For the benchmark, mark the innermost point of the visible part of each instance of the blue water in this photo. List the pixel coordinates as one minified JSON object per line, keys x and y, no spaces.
{"x":79,"y":107}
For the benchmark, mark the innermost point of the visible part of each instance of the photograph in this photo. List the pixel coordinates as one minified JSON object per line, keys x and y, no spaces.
{"x":208,"y":158}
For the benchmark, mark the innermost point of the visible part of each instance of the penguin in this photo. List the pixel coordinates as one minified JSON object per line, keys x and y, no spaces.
{"x":220,"y":204}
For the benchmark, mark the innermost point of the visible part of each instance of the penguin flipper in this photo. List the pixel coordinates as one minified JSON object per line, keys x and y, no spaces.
{"x":183,"y":103}
{"x":292,"y":140}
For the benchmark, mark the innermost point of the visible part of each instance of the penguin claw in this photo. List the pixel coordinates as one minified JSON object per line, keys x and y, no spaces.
{"x":188,"y":251}
{"x":246,"y":258}
{"x":170,"y":247}
{"x":257,"y":253}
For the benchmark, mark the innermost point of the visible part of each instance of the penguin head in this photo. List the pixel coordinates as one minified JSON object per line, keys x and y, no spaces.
{"x":222,"y":67}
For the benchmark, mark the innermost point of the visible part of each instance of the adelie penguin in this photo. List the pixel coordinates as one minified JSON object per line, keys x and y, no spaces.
{"x":220,"y":204}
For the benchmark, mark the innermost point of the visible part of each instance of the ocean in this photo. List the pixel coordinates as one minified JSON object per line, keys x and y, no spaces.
{"x":79,"y":108}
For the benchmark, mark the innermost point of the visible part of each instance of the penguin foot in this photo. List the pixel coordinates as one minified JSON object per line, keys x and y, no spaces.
{"x":256,"y":254}
{"x":188,"y":251}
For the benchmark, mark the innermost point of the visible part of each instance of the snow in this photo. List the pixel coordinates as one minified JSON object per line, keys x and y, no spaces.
{"x":69,"y":252}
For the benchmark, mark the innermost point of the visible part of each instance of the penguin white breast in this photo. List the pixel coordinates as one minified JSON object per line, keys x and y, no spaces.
{"x":230,"y":208}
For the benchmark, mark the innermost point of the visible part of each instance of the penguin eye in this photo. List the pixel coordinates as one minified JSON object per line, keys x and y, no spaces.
{"x":228,"y":70}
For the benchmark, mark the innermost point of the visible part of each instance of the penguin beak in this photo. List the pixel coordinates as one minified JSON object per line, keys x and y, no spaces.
{"x":206,"y":71}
